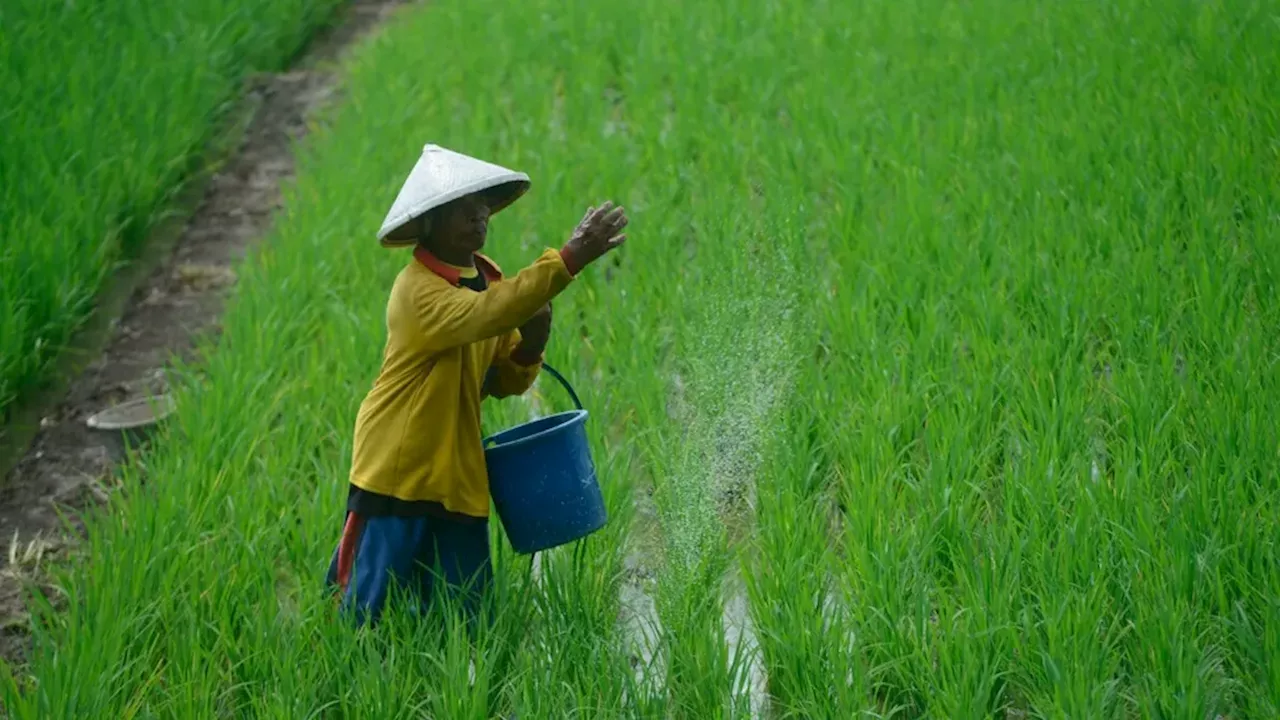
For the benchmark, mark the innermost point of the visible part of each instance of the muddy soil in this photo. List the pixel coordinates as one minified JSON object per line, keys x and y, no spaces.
{"x":68,"y":467}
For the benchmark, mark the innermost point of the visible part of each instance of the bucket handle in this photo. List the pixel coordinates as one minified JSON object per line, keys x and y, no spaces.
{"x":569,"y":388}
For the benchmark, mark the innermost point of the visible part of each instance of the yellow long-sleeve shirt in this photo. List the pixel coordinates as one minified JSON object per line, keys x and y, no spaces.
{"x":417,"y":435}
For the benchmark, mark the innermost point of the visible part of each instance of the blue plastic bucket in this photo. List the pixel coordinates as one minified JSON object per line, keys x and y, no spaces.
{"x":543,"y":481}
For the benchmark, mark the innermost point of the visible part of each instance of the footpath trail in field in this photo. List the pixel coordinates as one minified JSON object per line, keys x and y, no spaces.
{"x":67,"y":465}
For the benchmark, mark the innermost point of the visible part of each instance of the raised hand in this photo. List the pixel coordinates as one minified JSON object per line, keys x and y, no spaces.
{"x":597,"y":234}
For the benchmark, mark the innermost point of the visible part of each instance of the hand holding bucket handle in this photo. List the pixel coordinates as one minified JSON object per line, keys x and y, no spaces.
{"x":533,"y":337}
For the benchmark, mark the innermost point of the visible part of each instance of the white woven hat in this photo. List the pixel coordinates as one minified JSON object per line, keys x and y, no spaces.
{"x":442,"y":176}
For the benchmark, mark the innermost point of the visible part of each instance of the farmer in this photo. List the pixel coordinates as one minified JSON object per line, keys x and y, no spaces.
{"x":457,"y":332}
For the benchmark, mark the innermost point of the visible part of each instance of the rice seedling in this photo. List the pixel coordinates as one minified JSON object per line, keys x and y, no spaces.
{"x":106,"y":105}
{"x":1032,"y":516}
{"x":969,"y":303}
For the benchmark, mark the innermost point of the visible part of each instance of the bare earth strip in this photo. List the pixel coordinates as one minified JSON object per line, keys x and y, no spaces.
{"x":67,"y":467}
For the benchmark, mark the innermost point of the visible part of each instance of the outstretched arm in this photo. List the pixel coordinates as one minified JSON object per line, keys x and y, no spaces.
{"x":450,"y":317}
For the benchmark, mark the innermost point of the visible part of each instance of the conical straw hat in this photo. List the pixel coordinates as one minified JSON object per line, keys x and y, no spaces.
{"x":440,"y":177}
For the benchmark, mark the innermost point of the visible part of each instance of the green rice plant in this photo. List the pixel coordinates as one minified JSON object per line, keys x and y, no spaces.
{"x":811,"y":654}
{"x":1027,"y":447}
{"x":574,"y":661}
{"x":107,"y":108}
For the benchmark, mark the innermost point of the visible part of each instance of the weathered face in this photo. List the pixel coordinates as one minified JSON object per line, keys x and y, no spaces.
{"x":460,"y":227}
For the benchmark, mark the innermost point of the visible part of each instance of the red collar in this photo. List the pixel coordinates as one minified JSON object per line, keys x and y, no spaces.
{"x":450,"y":273}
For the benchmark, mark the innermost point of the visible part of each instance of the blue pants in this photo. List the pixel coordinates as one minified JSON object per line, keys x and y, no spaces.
{"x":414,"y":553}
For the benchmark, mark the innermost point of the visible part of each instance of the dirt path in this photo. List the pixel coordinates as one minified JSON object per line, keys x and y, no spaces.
{"x":68,"y":467}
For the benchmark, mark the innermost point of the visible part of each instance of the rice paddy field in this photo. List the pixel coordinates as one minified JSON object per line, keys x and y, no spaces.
{"x":938,"y":378}
{"x":106,"y":107}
